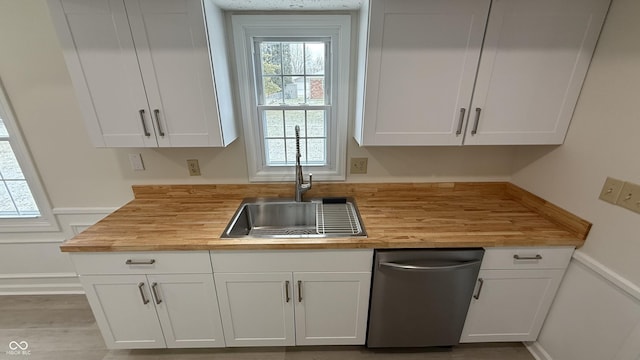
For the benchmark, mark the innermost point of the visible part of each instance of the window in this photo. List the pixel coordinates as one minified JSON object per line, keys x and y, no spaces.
{"x":293,"y":70}
{"x":23,"y":206}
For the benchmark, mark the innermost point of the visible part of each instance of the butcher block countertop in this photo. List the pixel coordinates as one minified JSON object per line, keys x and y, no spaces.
{"x":402,"y":215}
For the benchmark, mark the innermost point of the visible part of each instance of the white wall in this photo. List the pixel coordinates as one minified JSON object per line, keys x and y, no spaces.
{"x":603,"y":140}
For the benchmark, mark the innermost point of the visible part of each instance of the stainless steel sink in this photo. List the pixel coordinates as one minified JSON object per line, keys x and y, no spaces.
{"x":279,"y":218}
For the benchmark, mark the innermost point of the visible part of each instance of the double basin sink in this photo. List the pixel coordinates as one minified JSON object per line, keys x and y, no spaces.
{"x":280,"y":218}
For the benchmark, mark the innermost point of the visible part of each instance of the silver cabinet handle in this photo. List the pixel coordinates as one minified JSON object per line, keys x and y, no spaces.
{"x":156,"y":112}
{"x":286,"y":291}
{"x":144,"y":298}
{"x":475,"y":123}
{"x":518,"y":257}
{"x":299,"y":291}
{"x":144,"y":125}
{"x":154,"y":291}
{"x":415,"y":267}
{"x":461,"y":121}
{"x":140,"y":262}
{"x":477,"y":295}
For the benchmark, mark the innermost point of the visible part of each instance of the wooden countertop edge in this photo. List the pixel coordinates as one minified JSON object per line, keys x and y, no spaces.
{"x":550,"y":211}
{"x":564,"y":219}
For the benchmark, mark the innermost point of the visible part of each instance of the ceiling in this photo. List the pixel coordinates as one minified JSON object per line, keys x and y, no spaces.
{"x":289,"y":4}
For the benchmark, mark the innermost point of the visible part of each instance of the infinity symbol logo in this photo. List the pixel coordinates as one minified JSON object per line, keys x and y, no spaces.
{"x":14,"y":345}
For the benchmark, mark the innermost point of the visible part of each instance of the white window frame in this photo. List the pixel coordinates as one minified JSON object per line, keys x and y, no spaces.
{"x":46,"y":221}
{"x":335,"y":27}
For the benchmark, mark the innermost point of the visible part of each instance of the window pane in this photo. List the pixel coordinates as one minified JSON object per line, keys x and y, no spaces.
{"x":3,"y":129}
{"x":316,"y":123}
{"x":270,"y":55}
{"x":317,"y":151}
{"x":315,"y":90}
{"x":294,"y":90}
{"x":314,"y":58}
{"x":275,"y":151}
{"x":6,"y":205}
{"x":293,"y":118}
{"x":291,"y":151}
{"x":293,"y":58}
{"x":272,"y":90}
{"x":274,"y":123}
{"x":9,"y":168}
{"x":22,"y":197}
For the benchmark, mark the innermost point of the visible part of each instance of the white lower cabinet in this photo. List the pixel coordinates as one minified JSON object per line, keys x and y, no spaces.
{"x":513,"y":294}
{"x":155,"y":311}
{"x":308,"y":305}
{"x":124,"y":311}
{"x":152,"y":299}
{"x":256,"y":309}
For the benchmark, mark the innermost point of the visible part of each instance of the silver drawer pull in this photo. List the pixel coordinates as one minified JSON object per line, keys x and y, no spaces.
{"x":518,"y":257}
{"x":286,"y":291}
{"x":477,"y":295}
{"x":140,"y":262}
{"x":144,"y":298}
{"x":460,"y":121}
{"x":154,"y":291}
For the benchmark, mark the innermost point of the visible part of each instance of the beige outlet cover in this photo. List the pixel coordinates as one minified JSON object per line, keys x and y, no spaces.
{"x":630,"y":197}
{"x":611,"y":189}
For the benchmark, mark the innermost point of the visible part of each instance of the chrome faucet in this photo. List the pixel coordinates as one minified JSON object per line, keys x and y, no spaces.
{"x":301,"y":187}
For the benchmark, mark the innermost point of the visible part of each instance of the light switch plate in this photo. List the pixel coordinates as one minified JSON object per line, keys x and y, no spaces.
{"x":611,"y":190}
{"x":136,"y":162}
{"x":630,"y":197}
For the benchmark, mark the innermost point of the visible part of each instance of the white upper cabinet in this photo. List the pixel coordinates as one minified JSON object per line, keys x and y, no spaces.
{"x":535,"y":58}
{"x":143,"y":72}
{"x":422,"y":62}
{"x":425,"y":56}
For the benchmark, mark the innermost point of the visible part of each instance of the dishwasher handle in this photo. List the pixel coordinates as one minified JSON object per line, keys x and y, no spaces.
{"x":397,"y":266}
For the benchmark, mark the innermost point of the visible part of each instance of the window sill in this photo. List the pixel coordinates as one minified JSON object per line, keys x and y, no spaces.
{"x":288,"y":175}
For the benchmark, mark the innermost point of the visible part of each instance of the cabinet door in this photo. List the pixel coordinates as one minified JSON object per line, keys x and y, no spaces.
{"x":124,"y":311}
{"x":535,"y":57}
{"x":331,"y":308}
{"x":171,"y":42}
{"x":422,"y":63}
{"x":187,"y":306}
{"x":256,"y":309}
{"x":511,"y":305}
{"x":103,"y":65}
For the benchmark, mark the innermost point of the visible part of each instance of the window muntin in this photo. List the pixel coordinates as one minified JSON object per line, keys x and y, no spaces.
{"x":293,"y":87}
{"x":16,"y":198}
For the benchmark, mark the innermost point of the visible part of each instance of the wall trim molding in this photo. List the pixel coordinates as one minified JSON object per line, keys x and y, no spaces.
{"x":40,"y":284}
{"x":38,"y":275}
{"x":32,"y":241}
{"x":83,"y":210}
{"x":607,"y":274}
{"x":538,"y":352}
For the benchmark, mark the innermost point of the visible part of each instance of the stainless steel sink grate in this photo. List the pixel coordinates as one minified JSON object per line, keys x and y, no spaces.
{"x":337,"y":219}
{"x":294,"y":231}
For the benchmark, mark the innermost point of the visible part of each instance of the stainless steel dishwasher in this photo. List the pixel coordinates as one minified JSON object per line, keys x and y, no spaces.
{"x":420,"y":298}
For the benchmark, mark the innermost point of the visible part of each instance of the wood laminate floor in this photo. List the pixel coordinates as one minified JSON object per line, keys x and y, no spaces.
{"x":62,"y":327}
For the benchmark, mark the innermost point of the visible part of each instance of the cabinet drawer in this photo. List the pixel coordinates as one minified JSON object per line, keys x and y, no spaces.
{"x":158,"y":262}
{"x":529,"y":258}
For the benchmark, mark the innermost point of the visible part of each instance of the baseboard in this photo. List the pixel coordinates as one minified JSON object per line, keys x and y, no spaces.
{"x":40,"y":284}
{"x":537,"y":351}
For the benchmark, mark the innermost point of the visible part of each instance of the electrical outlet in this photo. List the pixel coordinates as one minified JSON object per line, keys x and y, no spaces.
{"x":630,"y":197}
{"x":194,"y":167}
{"x":358,"y":166}
{"x":611,"y":190}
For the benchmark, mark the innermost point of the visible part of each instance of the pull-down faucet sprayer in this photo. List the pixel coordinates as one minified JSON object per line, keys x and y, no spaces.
{"x":301,"y":187}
